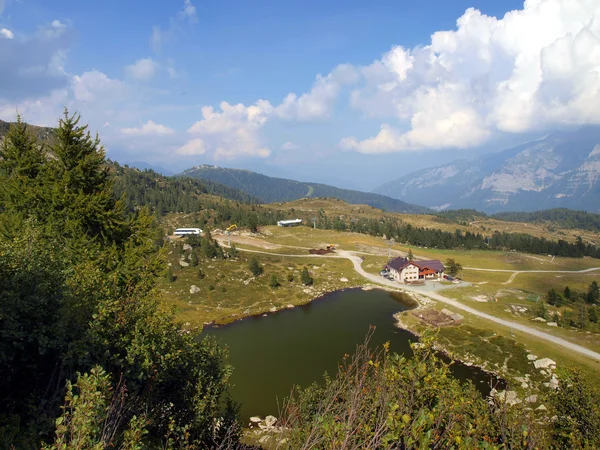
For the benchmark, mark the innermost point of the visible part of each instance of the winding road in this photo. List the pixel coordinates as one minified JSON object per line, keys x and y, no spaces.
{"x":357,"y":263}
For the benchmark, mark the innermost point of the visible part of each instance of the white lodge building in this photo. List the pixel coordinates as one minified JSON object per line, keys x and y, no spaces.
{"x":405,"y":271}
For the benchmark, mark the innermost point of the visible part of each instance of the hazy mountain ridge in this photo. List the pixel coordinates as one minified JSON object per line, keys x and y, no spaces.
{"x":561,"y":170}
{"x":272,"y":189}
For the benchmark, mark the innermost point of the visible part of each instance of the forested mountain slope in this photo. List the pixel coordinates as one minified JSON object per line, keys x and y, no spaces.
{"x":562,"y":217}
{"x":168,"y":194}
{"x":271,"y":189}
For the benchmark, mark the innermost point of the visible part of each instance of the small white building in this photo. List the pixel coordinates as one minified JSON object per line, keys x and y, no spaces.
{"x":187,"y":231}
{"x":289,"y":223}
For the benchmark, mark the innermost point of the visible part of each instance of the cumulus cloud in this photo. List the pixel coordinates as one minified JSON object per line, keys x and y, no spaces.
{"x":289,"y":146}
{"x":232,"y":132}
{"x":33,"y":66}
{"x":193,"y":147}
{"x":148,"y":129}
{"x":320,"y":101}
{"x":142,"y":69}
{"x":6,"y":33}
{"x":534,"y":69}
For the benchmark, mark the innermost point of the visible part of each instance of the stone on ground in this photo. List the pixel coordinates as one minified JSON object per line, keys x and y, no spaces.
{"x":270,"y":421}
{"x":544,"y":363}
{"x":194,"y":289}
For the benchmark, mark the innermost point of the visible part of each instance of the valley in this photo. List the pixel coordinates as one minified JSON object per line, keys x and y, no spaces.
{"x":509,"y":282}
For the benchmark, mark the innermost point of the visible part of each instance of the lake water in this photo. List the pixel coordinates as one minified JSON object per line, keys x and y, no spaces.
{"x":296,"y":346}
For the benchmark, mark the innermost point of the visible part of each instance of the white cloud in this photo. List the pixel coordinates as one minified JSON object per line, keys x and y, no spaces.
{"x":188,"y":11}
{"x":148,"y":129}
{"x":320,"y":101}
{"x":534,"y":69}
{"x":94,"y":85}
{"x":193,"y":147}
{"x":142,"y":69}
{"x":162,"y":35}
{"x":6,"y":33}
{"x":232,"y":132}
{"x":289,"y":146}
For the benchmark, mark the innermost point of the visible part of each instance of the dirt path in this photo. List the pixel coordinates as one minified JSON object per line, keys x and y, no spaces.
{"x":357,"y":262}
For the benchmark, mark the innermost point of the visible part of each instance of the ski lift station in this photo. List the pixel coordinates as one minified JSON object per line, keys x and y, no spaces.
{"x":289,"y":223}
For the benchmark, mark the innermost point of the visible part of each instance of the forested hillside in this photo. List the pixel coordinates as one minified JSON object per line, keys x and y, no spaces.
{"x":271,"y":189}
{"x":168,"y":194}
{"x":563,"y":217}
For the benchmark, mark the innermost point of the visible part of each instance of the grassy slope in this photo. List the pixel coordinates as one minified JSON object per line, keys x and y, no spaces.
{"x":473,"y":338}
{"x":484,"y":226}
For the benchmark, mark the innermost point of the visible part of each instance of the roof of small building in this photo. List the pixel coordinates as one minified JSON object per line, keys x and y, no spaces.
{"x":432,"y":264}
{"x":398,"y":263}
{"x":290,"y":221}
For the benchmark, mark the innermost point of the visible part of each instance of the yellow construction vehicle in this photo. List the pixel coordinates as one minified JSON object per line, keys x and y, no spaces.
{"x":232,"y":227}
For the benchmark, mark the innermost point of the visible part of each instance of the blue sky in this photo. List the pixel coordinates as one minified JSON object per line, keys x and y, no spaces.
{"x":353,"y":93}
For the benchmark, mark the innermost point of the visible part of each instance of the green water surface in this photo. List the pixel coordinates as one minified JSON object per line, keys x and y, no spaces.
{"x":272,"y":353}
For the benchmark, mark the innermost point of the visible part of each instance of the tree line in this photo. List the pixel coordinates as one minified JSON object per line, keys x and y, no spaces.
{"x":425,"y":237}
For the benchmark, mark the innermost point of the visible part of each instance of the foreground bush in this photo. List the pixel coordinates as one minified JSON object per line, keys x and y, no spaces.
{"x":385,"y":401}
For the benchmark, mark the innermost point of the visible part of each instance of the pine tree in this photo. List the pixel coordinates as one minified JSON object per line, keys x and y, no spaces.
{"x":593,"y":314}
{"x":274,"y":283}
{"x":410,"y":255}
{"x":193,"y":259}
{"x":21,"y":164}
{"x":82,"y":190}
{"x":255,"y":268}
{"x":567,"y":292}
{"x":593,"y":294}
{"x":305,"y":277}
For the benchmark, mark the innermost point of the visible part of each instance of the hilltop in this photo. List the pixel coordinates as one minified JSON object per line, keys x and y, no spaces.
{"x":271,"y":189}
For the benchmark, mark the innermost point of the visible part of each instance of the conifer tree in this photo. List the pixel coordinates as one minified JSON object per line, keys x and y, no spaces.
{"x":305,"y":277}
{"x":255,"y":266}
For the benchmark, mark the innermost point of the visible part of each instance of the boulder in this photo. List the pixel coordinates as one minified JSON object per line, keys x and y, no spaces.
{"x":183,"y":263}
{"x":270,"y":421}
{"x":187,"y":247}
{"x":541,"y":408}
{"x":539,"y":319}
{"x":544,"y":363}
{"x":510,"y":397}
{"x":552,"y":324}
{"x":273,"y":309}
{"x":194,"y":289}
{"x":290,"y":306}
{"x":531,"y":399}
{"x":344,"y":280}
{"x":255,"y":419}
{"x":531,"y":357}
{"x":553,"y":384}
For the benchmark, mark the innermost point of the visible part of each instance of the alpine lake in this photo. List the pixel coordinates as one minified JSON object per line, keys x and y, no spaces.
{"x":274,"y":352}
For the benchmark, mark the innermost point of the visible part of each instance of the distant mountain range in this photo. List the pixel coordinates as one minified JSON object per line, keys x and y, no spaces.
{"x":271,"y":189}
{"x":561,"y":170}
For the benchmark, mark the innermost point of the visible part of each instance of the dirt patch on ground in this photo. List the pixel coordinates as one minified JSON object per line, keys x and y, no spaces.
{"x":320,"y":251}
{"x":247,"y":240}
{"x":433,"y":317}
